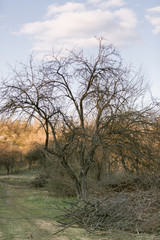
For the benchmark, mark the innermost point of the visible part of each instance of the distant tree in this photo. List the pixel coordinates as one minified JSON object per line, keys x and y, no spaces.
{"x":35,"y":156}
{"x":87,"y":104}
{"x":9,"y":155}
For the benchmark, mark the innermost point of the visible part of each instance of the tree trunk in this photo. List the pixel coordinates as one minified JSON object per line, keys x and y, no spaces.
{"x":83,"y":185}
{"x":8,"y":169}
{"x":80,"y":184}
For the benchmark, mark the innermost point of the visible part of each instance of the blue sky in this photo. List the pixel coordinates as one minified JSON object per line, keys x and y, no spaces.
{"x":38,"y":26}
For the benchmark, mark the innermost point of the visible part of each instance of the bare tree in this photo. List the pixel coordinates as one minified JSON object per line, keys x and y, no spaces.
{"x":86,"y":103}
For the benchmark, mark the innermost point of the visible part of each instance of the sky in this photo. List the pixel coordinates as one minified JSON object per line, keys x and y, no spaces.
{"x":40,"y":26}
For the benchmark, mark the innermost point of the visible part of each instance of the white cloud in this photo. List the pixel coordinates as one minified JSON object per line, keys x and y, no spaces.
{"x":78,"y":23}
{"x":94,"y":1}
{"x":154,"y":9}
{"x":127,"y":18}
{"x":107,"y":3}
{"x":68,"y":7}
{"x":113,"y":3}
{"x":153,"y":17}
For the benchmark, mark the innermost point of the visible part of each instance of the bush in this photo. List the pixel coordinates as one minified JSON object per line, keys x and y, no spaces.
{"x":39,"y":181}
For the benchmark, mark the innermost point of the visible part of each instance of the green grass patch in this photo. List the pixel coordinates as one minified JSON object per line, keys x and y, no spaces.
{"x":18,"y":179}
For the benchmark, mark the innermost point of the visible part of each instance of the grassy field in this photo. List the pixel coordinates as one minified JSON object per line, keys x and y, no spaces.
{"x":27,"y":213}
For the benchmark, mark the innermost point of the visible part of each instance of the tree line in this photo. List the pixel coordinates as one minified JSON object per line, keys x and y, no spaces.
{"x":17,"y":141}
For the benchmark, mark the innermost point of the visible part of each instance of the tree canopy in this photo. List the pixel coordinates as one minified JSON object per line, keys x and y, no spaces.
{"x":87,"y":103}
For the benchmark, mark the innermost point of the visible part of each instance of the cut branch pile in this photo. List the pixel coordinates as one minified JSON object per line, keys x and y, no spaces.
{"x":135,"y":212}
